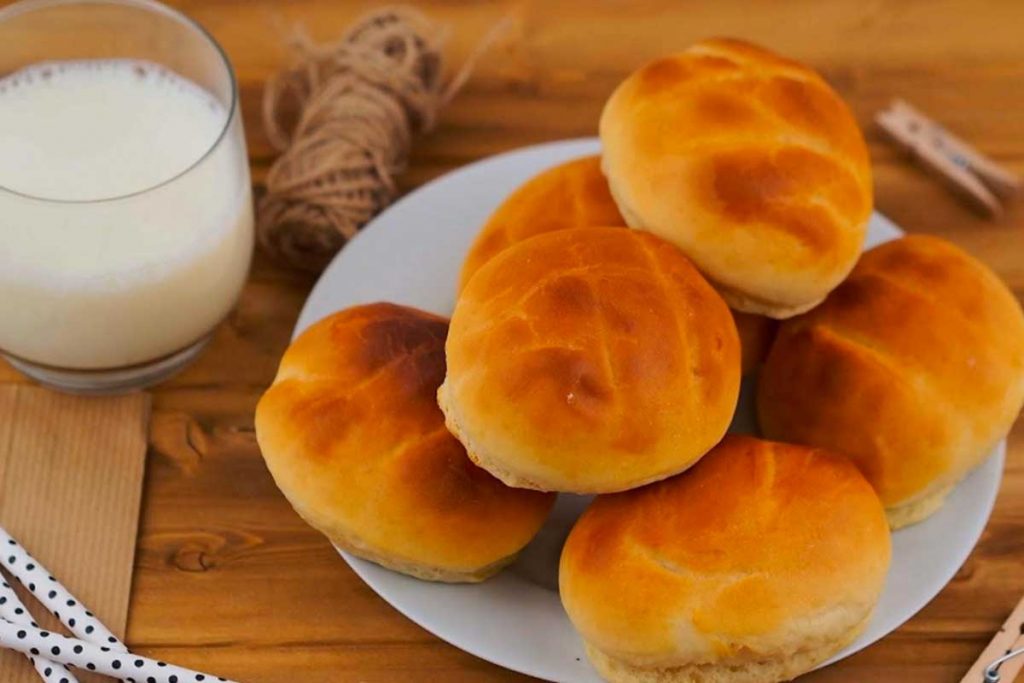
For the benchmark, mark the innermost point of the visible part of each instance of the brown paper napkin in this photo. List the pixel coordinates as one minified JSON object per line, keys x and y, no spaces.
{"x":70,"y":485}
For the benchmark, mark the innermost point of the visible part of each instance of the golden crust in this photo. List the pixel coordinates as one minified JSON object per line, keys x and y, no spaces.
{"x":589,"y":360}
{"x":913,"y":367}
{"x":575,"y":194}
{"x":707,"y":573}
{"x":352,"y":434}
{"x":571,"y":195}
{"x":764,"y":179}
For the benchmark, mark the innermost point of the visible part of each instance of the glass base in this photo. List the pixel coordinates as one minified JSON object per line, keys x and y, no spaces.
{"x":113,"y":381}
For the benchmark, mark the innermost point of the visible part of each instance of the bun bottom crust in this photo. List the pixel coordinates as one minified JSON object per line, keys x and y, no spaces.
{"x":355,"y":545}
{"x":746,"y":303}
{"x":918,"y":509}
{"x":421,"y":571}
{"x":617,"y":670}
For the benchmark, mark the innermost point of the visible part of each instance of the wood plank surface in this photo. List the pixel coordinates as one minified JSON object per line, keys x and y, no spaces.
{"x":228,"y":579}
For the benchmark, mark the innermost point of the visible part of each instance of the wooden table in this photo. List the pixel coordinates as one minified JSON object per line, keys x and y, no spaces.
{"x":228,"y":578}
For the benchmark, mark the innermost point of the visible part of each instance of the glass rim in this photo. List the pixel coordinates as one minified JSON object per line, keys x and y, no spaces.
{"x":24,"y":6}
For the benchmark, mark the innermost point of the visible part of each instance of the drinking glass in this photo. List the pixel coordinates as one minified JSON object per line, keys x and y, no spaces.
{"x":102,"y":294}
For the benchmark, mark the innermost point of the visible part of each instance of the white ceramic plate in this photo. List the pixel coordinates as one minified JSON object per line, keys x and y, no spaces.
{"x":411,"y":254}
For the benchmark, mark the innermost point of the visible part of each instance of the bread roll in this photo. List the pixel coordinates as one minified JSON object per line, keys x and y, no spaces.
{"x":575,"y":195}
{"x":913,"y":367}
{"x":589,"y":360}
{"x":747,"y":161}
{"x":571,"y":195}
{"x":755,"y":566}
{"x":351,"y":431}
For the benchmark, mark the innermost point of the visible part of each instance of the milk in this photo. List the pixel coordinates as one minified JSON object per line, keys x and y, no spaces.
{"x":116,"y":246}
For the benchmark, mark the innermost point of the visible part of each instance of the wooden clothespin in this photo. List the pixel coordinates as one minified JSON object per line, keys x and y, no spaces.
{"x":1003,"y":659}
{"x":976,"y":177}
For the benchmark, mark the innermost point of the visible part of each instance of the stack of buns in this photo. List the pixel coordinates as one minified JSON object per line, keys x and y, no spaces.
{"x":575,"y":194}
{"x":605,"y":315}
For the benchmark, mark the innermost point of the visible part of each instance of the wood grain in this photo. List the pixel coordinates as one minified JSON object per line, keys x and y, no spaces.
{"x":228,"y":578}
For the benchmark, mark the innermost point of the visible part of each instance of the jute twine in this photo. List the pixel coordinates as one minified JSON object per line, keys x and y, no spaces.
{"x":343,"y":119}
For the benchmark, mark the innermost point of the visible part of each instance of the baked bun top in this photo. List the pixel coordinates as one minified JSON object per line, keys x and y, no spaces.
{"x":571,"y":195}
{"x":750,"y":163}
{"x":351,"y":431}
{"x":761,"y":552}
{"x":589,"y":360}
{"x":913,"y":367}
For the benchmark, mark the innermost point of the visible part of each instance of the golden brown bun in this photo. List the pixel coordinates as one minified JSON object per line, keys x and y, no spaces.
{"x":913,"y":367}
{"x":351,"y":431}
{"x":589,"y":360}
{"x":757,"y":333}
{"x":755,"y":566}
{"x":571,"y":195}
{"x":750,"y":163}
{"x":575,"y":195}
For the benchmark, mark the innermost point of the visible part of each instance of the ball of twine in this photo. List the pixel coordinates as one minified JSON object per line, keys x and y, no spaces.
{"x":343,"y":119}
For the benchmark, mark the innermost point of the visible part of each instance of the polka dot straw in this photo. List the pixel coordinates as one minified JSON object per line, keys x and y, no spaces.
{"x":99,"y":658}
{"x":13,"y":611}
{"x":95,"y":649}
{"x":55,"y":597}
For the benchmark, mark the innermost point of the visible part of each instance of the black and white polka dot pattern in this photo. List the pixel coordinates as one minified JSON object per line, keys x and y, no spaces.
{"x":48,"y":591}
{"x":14,"y":611}
{"x":99,"y":658}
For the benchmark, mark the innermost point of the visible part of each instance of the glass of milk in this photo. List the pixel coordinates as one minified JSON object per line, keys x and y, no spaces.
{"x":126,"y":224}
